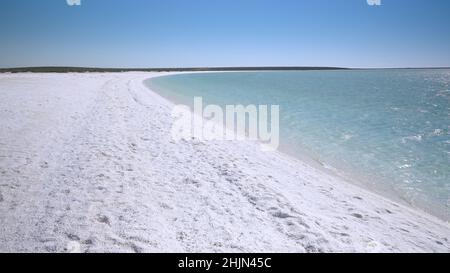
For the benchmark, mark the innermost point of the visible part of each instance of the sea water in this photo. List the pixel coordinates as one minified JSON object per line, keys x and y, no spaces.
{"x":386,"y":129}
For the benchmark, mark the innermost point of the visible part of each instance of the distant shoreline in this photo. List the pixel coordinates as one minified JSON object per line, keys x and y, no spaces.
{"x":69,"y":69}
{"x":60,"y":69}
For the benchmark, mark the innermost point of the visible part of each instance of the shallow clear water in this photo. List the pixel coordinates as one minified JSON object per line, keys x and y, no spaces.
{"x":389,"y":129}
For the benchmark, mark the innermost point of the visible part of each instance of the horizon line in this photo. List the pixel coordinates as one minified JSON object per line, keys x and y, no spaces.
{"x":50,"y":69}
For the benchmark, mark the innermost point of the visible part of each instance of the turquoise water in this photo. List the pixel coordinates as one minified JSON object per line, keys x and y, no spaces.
{"x":387,"y":129}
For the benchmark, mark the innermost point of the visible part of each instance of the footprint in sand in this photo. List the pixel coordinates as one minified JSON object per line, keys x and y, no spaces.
{"x":357,"y":215}
{"x":103,"y":219}
{"x":282,"y":215}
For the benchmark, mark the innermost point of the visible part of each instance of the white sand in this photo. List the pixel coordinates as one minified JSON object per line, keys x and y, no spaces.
{"x":87,"y":164}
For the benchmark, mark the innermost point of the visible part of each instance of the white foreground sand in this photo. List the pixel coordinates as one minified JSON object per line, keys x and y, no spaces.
{"x":87,"y":164}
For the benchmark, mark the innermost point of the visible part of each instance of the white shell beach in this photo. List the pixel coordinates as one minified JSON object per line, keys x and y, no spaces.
{"x":87,"y":164}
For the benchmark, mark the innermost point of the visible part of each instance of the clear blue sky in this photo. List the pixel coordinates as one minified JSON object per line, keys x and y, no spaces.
{"x":185,"y":33}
